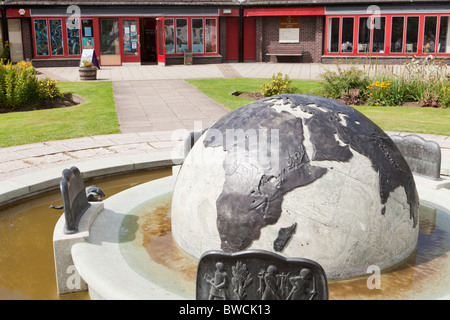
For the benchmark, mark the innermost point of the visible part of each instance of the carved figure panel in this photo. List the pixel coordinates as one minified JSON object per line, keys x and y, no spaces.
{"x":259,"y":275}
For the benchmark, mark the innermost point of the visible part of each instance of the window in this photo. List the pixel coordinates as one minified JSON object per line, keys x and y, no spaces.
{"x":333,"y":35}
{"x":397,"y":34}
{"x":197,"y":35}
{"x":210,"y":35}
{"x":429,"y":36}
{"x":347,"y":35}
{"x":169,"y":35}
{"x":388,"y":34}
{"x":56,"y":37}
{"x":41,"y":37}
{"x":73,"y":37}
{"x":182,"y":35}
{"x":444,"y":35}
{"x":412,"y":34}
{"x":364,"y":34}
{"x":130,"y":37}
{"x":379,"y":28}
{"x":87,"y":33}
{"x":109,"y":38}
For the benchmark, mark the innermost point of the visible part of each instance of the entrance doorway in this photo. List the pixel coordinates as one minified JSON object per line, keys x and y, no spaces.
{"x":148,"y":40}
{"x":109,"y":42}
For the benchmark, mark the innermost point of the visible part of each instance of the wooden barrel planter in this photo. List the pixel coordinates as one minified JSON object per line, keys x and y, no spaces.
{"x":89,"y":73}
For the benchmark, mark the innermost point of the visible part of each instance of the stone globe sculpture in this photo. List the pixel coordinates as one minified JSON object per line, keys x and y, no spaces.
{"x":302,"y":176}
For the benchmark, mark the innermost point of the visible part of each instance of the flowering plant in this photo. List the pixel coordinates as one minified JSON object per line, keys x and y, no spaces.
{"x":19,"y":86}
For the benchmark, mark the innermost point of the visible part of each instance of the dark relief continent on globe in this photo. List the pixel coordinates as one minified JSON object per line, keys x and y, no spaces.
{"x":241,"y":215}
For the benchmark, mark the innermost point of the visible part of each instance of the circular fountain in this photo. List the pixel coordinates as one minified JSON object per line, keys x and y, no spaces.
{"x":323,"y":183}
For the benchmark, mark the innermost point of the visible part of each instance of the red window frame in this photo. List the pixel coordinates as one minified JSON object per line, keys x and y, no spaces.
{"x":64,"y":39}
{"x":388,"y":35}
{"x":189,"y":22}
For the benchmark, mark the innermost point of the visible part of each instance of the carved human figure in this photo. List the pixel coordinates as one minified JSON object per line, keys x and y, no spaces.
{"x":271,"y":286}
{"x":300,"y":286}
{"x":219,"y":283}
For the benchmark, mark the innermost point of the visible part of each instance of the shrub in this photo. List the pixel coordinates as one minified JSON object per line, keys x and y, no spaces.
{"x":278,"y":85}
{"x":340,"y":82}
{"x":20,"y":86}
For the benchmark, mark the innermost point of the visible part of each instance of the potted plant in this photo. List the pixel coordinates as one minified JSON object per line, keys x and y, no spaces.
{"x":87,"y":70}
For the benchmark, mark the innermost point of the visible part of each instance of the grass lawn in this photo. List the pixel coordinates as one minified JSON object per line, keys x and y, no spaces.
{"x":410,"y":119}
{"x":97,"y":115}
{"x":220,"y":89}
{"x":403,"y":119}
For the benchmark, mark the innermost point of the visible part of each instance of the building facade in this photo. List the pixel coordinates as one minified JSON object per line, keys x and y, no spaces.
{"x":52,"y":33}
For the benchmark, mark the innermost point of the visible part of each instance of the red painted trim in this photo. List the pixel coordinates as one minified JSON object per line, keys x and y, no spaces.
{"x":123,"y":57}
{"x":250,"y":39}
{"x":14,"y":13}
{"x":232,"y":38}
{"x":387,"y":39}
{"x":267,"y":12}
{"x":160,"y":40}
{"x":96,"y":24}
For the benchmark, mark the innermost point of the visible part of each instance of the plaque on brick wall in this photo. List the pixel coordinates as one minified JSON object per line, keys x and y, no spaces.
{"x":289,"y":29}
{"x":259,"y":275}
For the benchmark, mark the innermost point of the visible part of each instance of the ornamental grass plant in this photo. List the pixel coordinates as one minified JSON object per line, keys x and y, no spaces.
{"x":19,"y":86}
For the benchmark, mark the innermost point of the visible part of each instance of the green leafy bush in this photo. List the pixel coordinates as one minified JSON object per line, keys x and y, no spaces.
{"x":342,"y":81}
{"x":278,"y":85}
{"x":20,"y":86}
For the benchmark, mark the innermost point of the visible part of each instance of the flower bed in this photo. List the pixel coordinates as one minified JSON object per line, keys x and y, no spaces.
{"x":19,"y":86}
{"x":422,"y":81}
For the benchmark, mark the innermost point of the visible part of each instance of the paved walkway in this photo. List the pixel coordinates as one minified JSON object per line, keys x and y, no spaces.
{"x":151,"y":102}
{"x":305,"y":71}
{"x":156,"y":105}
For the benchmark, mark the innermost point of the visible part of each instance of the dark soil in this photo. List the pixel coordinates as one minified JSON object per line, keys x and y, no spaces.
{"x":248,"y":95}
{"x":68,"y":100}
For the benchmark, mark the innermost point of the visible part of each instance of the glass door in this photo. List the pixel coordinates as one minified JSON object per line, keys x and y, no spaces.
{"x":161,"y":48}
{"x":109,"y":42}
{"x":130,"y":33}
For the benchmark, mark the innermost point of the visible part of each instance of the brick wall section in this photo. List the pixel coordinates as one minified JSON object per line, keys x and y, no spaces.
{"x":311,"y":39}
